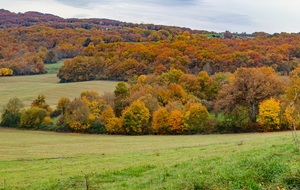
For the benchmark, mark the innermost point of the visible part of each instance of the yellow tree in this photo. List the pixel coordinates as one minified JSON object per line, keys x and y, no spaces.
{"x":114,"y":126}
{"x":176,"y":121}
{"x":196,"y":118}
{"x":161,"y":121}
{"x":135,"y":118}
{"x":107,"y":115}
{"x":269,"y":114}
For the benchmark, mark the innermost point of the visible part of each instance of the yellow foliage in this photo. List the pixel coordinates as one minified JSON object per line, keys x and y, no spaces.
{"x":6,"y":72}
{"x":176,"y":122}
{"x":196,"y":117}
{"x":135,"y":118}
{"x":142,"y":79}
{"x":161,"y":121}
{"x":77,"y":125}
{"x":107,"y":114}
{"x":269,"y":114}
{"x":47,"y":120}
{"x":113,"y":126}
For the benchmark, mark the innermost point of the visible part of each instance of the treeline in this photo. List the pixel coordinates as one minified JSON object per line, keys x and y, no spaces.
{"x":140,"y":49}
{"x":26,"y":49}
{"x":187,"y":52}
{"x":11,"y":20}
{"x":251,"y":99}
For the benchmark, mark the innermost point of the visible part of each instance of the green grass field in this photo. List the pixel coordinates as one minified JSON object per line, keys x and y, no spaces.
{"x":47,"y":160}
{"x":27,"y":88}
{"x":54,"y":67}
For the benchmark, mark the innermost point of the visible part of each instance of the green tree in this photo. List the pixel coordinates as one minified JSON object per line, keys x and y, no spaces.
{"x":171,"y":76}
{"x":121,"y":101}
{"x":11,"y":113}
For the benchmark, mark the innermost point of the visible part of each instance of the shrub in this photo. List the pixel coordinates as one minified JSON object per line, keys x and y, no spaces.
{"x":33,"y":117}
{"x":11,"y":113}
{"x":97,"y":127}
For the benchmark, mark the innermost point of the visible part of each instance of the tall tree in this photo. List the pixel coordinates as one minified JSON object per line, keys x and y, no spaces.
{"x":249,"y":87}
{"x":136,"y":118}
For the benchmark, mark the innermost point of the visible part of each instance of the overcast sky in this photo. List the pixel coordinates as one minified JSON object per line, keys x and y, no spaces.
{"x":213,"y":15}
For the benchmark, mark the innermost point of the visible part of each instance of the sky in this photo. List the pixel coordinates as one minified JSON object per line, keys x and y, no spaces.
{"x":271,"y":16}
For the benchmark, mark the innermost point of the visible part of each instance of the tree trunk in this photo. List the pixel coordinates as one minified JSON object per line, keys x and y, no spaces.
{"x":253,"y":112}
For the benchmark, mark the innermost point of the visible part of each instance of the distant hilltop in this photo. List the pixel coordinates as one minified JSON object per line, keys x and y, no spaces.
{"x":10,"y":19}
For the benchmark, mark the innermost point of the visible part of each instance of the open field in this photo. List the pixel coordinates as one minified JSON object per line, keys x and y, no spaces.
{"x":54,"y":67}
{"x":46,"y":160}
{"x":27,"y":88}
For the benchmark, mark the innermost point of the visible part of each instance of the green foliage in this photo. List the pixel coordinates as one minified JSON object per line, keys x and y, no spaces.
{"x":121,"y":89}
{"x":97,"y":127}
{"x":121,"y":101}
{"x":237,"y":120}
{"x":11,"y":113}
{"x":171,"y":76}
{"x":33,"y":117}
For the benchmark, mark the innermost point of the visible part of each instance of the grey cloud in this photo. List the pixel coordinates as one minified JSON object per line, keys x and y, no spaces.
{"x":236,"y":19}
{"x":82,"y":3}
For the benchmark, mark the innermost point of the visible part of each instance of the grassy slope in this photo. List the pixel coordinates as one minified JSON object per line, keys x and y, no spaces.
{"x":49,"y":160}
{"x":27,"y":88}
{"x":53,"y":68}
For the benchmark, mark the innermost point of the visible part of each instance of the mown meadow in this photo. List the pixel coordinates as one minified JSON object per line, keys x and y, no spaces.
{"x":48,"y":160}
{"x":28,"y":87}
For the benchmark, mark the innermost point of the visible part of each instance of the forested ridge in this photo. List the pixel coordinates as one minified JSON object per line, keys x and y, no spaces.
{"x":138,"y":48}
{"x":178,"y":80}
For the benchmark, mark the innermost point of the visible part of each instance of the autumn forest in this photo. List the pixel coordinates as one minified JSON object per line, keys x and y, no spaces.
{"x":172,"y":80}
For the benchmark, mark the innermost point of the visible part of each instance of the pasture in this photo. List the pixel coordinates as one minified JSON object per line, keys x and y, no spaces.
{"x":47,"y":160}
{"x":27,"y":88}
